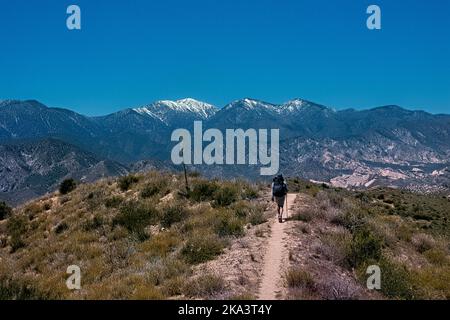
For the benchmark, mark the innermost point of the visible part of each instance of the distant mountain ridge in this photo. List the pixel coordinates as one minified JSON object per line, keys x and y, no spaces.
{"x":31,"y":168}
{"x":386,"y":145}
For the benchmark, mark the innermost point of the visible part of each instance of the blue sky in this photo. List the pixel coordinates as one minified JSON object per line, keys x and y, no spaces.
{"x":131,"y":53}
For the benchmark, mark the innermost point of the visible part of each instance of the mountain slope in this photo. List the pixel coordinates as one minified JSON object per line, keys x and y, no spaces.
{"x":30,"y":169}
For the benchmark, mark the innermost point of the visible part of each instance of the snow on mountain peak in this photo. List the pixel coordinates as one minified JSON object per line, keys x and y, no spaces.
{"x":164,"y":109}
{"x":251,"y":104}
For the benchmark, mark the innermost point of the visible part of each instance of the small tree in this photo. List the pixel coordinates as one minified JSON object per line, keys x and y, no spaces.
{"x":5,"y":210}
{"x":67,"y":186}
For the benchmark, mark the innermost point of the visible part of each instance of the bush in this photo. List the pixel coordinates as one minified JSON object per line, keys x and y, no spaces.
{"x":127,"y":181}
{"x":135,"y":217}
{"x":436,"y":256}
{"x":297,"y":278}
{"x":5,"y":210}
{"x":162,"y":269}
{"x":173,"y":213}
{"x":257,"y":217}
{"x":154,"y":188}
{"x":229,"y":225}
{"x":423,"y":242}
{"x":174,"y":287}
{"x":226,"y":195}
{"x":61,"y":227}
{"x":303,"y":214}
{"x":161,"y":244}
{"x":250,"y":192}
{"x":337,"y":246}
{"x":12,"y":289}
{"x":67,"y":186}
{"x":203,"y":190}
{"x":351,"y":219}
{"x":364,"y":247}
{"x":252,"y":212}
{"x":396,"y":281}
{"x":201,"y":248}
{"x":16,"y":227}
{"x":205,"y":286}
{"x":113,"y":202}
{"x":432,"y":282}
{"x":94,"y":223}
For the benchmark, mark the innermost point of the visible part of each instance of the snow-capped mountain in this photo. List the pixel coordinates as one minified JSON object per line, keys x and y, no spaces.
{"x":246,"y":113}
{"x":180,"y":112}
{"x":386,"y":145}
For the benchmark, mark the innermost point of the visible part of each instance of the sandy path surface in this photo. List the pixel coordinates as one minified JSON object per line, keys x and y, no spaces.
{"x":271,"y":287}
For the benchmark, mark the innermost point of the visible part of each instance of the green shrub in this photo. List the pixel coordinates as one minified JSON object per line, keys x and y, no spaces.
{"x":253,"y":213}
{"x":242,"y":209}
{"x":436,"y":256}
{"x":365,"y":246}
{"x":135,"y":217}
{"x":11,"y":289}
{"x":226,"y":195}
{"x":153,"y":188}
{"x":163,"y":268}
{"x":126,"y":182}
{"x":203,"y":190}
{"x":173,"y":213}
{"x":396,"y":281}
{"x":161,"y":244}
{"x":92,"y":224}
{"x":257,"y":217}
{"x":5,"y":210}
{"x":250,"y":192}
{"x":113,"y":202}
{"x":201,"y":248}
{"x":67,"y":186}
{"x":61,"y":227}
{"x":351,"y":219}
{"x":229,"y":225}
{"x":432,"y":282}
{"x":16,"y":227}
{"x":303,"y":215}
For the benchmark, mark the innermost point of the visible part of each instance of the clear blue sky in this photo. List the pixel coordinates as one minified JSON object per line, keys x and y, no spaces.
{"x":133,"y":52}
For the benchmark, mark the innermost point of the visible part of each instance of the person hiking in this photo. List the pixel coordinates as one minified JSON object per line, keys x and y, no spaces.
{"x":279,"y":192}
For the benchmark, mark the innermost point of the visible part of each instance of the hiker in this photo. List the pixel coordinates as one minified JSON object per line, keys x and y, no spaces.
{"x":279,"y":192}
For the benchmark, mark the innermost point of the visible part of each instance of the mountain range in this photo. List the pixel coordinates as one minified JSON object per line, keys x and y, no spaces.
{"x":388,"y":145}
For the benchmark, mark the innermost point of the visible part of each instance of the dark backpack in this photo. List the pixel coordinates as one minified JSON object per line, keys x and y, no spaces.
{"x":279,"y":188}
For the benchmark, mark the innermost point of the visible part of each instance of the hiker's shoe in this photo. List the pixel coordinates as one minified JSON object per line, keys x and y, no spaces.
{"x":280,"y":219}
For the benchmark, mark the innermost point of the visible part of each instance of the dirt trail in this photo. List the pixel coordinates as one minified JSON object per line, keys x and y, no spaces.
{"x":271,"y":287}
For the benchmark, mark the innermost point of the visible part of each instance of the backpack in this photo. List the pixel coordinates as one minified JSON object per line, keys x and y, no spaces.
{"x":279,"y":188}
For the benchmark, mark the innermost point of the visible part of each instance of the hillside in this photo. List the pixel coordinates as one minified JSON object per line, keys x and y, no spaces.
{"x":143,"y":237}
{"x":29,"y":169}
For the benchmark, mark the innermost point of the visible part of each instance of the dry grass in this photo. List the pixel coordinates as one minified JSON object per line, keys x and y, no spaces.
{"x":129,"y":241}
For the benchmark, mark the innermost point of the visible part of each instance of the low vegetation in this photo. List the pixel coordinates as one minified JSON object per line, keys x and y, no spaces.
{"x":406,"y":234}
{"x":5,"y":210}
{"x":135,"y":237}
{"x":67,"y":186}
